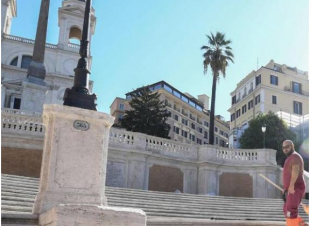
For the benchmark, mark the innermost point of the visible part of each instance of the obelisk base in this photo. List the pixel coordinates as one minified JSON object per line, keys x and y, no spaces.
{"x":91,"y":215}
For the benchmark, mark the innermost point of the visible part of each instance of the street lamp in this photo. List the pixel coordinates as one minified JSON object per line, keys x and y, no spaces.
{"x":264,"y":130}
{"x":79,"y":95}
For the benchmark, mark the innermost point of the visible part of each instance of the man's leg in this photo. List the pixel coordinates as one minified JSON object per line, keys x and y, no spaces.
{"x":290,"y":208}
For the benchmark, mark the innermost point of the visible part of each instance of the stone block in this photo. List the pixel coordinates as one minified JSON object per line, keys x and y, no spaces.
{"x":91,"y":215}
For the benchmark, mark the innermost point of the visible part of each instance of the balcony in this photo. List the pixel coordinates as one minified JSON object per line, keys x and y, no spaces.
{"x":192,"y":117}
{"x":176,"y":109}
{"x":288,"y":89}
{"x":184,"y":113}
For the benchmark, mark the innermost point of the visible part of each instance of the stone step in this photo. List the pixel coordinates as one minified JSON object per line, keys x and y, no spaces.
{"x":16,"y":208}
{"x":11,"y":176}
{"x":18,"y":195}
{"x":16,"y":203}
{"x":14,"y":194}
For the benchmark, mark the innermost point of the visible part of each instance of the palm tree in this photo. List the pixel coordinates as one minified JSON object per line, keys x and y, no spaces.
{"x":217,"y":55}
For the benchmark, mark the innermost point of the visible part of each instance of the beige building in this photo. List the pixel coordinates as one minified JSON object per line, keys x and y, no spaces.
{"x":189,"y":116}
{"x":276,"y":88}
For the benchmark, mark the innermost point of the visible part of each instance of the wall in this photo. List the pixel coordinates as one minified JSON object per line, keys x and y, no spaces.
{"x":133,"y":157}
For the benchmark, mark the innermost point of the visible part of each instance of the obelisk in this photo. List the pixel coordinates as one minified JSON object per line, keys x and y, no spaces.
{"x":36,"y":71}
{"x":34,"y":88}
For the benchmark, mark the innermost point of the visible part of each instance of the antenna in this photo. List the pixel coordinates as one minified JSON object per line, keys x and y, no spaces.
{"x":257,"y":64}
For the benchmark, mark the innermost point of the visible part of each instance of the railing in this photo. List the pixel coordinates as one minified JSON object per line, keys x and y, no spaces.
{"x":26,"y":40}
{"x":192,"y":118}
{"x":176,"y":109}
{"x":288,"y":89}
{"x":240,"y":155}
{"x":250,"y":91}
{"x":74,"y":46}
{"x":21,"y":122}
{"x":237,"y":156}
{"x":30,"y":123}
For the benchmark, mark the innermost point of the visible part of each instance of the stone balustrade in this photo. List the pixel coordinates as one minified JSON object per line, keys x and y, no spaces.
{"x":22,"y":122}
{"x":26,"y":40}
{"x":237,"y":156}
{"x":30,"y":123}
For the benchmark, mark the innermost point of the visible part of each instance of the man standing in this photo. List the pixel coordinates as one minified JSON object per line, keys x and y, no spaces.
{"x":293,"y":183}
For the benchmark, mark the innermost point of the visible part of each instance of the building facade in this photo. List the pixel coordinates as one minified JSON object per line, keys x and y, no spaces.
{"x":276,"y":88}
{"x":60,"y":59}
{"x":189,"y":116}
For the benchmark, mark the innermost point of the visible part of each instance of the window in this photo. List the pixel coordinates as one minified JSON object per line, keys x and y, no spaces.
{"x":26,"y":61}
{"x":250,"y":104}
{"x":192,"y":103}
{"x":184,"y":121}
{"x":169,"y":113}
{"x":258,"y":80}
{"x":193,"y":125}
{"x":216,"y":140}
{"x":177,"y":94}
{"x":221,"y":132}
{"x":198,"y":108}
{"x":199,"y":129}
{"x":168,"y":88}
{"x":206,"y":135}
{"x":233,"y":100}
{"x":273,"y":80}
{"x":120,"y":117}
{"x":16,"y":102}
{"x":297,"y":108}
{"x":244,"y":109}
{"x":199,"y":141}
{"x":14,"y":61}
{"x":184,"y":133}
{"x":296,"y":87}
{"x":184,"y":99}
{"x":274,"y":99}
{"x":206,"y":123}
{"x":226,"y":135}
{"x":232,"y":117}
{"x":192,"y":137}
{"x":238,"y":114}
{"x":176,"y":130}
{"x":215,"y":129}
{"x":257,"y":99}
{"x":176,"y":117}
{"x":121,"y":106}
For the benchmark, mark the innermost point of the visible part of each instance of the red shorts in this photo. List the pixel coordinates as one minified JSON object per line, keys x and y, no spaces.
{"x":290,"y":208}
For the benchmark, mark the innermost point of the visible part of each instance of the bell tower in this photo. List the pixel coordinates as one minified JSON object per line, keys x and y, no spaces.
{"x":8,"y":11}
{"x":70,"y":22}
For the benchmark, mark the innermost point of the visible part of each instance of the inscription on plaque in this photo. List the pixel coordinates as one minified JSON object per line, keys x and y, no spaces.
{"x":81,"y":125}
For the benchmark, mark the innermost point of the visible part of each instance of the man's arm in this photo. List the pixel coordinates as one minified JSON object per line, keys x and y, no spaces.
{"x":294,"y":176}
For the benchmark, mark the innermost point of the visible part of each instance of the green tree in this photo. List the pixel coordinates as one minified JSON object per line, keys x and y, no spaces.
{"x":147,"y":115}
{"x":217,"y":55}
{"x":276,"y":132}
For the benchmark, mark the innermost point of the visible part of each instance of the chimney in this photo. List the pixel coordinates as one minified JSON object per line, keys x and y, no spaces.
{"x":203,"y":98}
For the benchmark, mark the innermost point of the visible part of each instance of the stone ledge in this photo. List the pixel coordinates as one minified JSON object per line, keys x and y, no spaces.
{"x":167,"y":221}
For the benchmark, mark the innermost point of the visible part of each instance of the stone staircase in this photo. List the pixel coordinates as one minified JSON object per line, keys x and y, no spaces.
{"x":161,"y":208}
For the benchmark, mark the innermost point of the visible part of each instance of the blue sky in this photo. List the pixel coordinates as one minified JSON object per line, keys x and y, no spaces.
{"x":141,"y":42}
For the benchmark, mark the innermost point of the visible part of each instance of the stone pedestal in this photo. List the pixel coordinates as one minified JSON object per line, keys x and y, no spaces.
{"x":33,"y":96}
{"x":74,"y":158}
{"x":73,"y":172}
{"x":78,"y":215}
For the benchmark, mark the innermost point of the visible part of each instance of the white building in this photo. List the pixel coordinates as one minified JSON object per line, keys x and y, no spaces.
{"x":60,"y":58}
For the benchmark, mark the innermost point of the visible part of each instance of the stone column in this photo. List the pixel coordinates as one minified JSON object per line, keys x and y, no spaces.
{"x":73,"y":171}
{"x":36,"y":71}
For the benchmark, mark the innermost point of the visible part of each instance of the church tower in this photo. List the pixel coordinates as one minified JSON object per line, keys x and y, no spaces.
{"x":8,"y":11}
{"x":70,"y":22}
